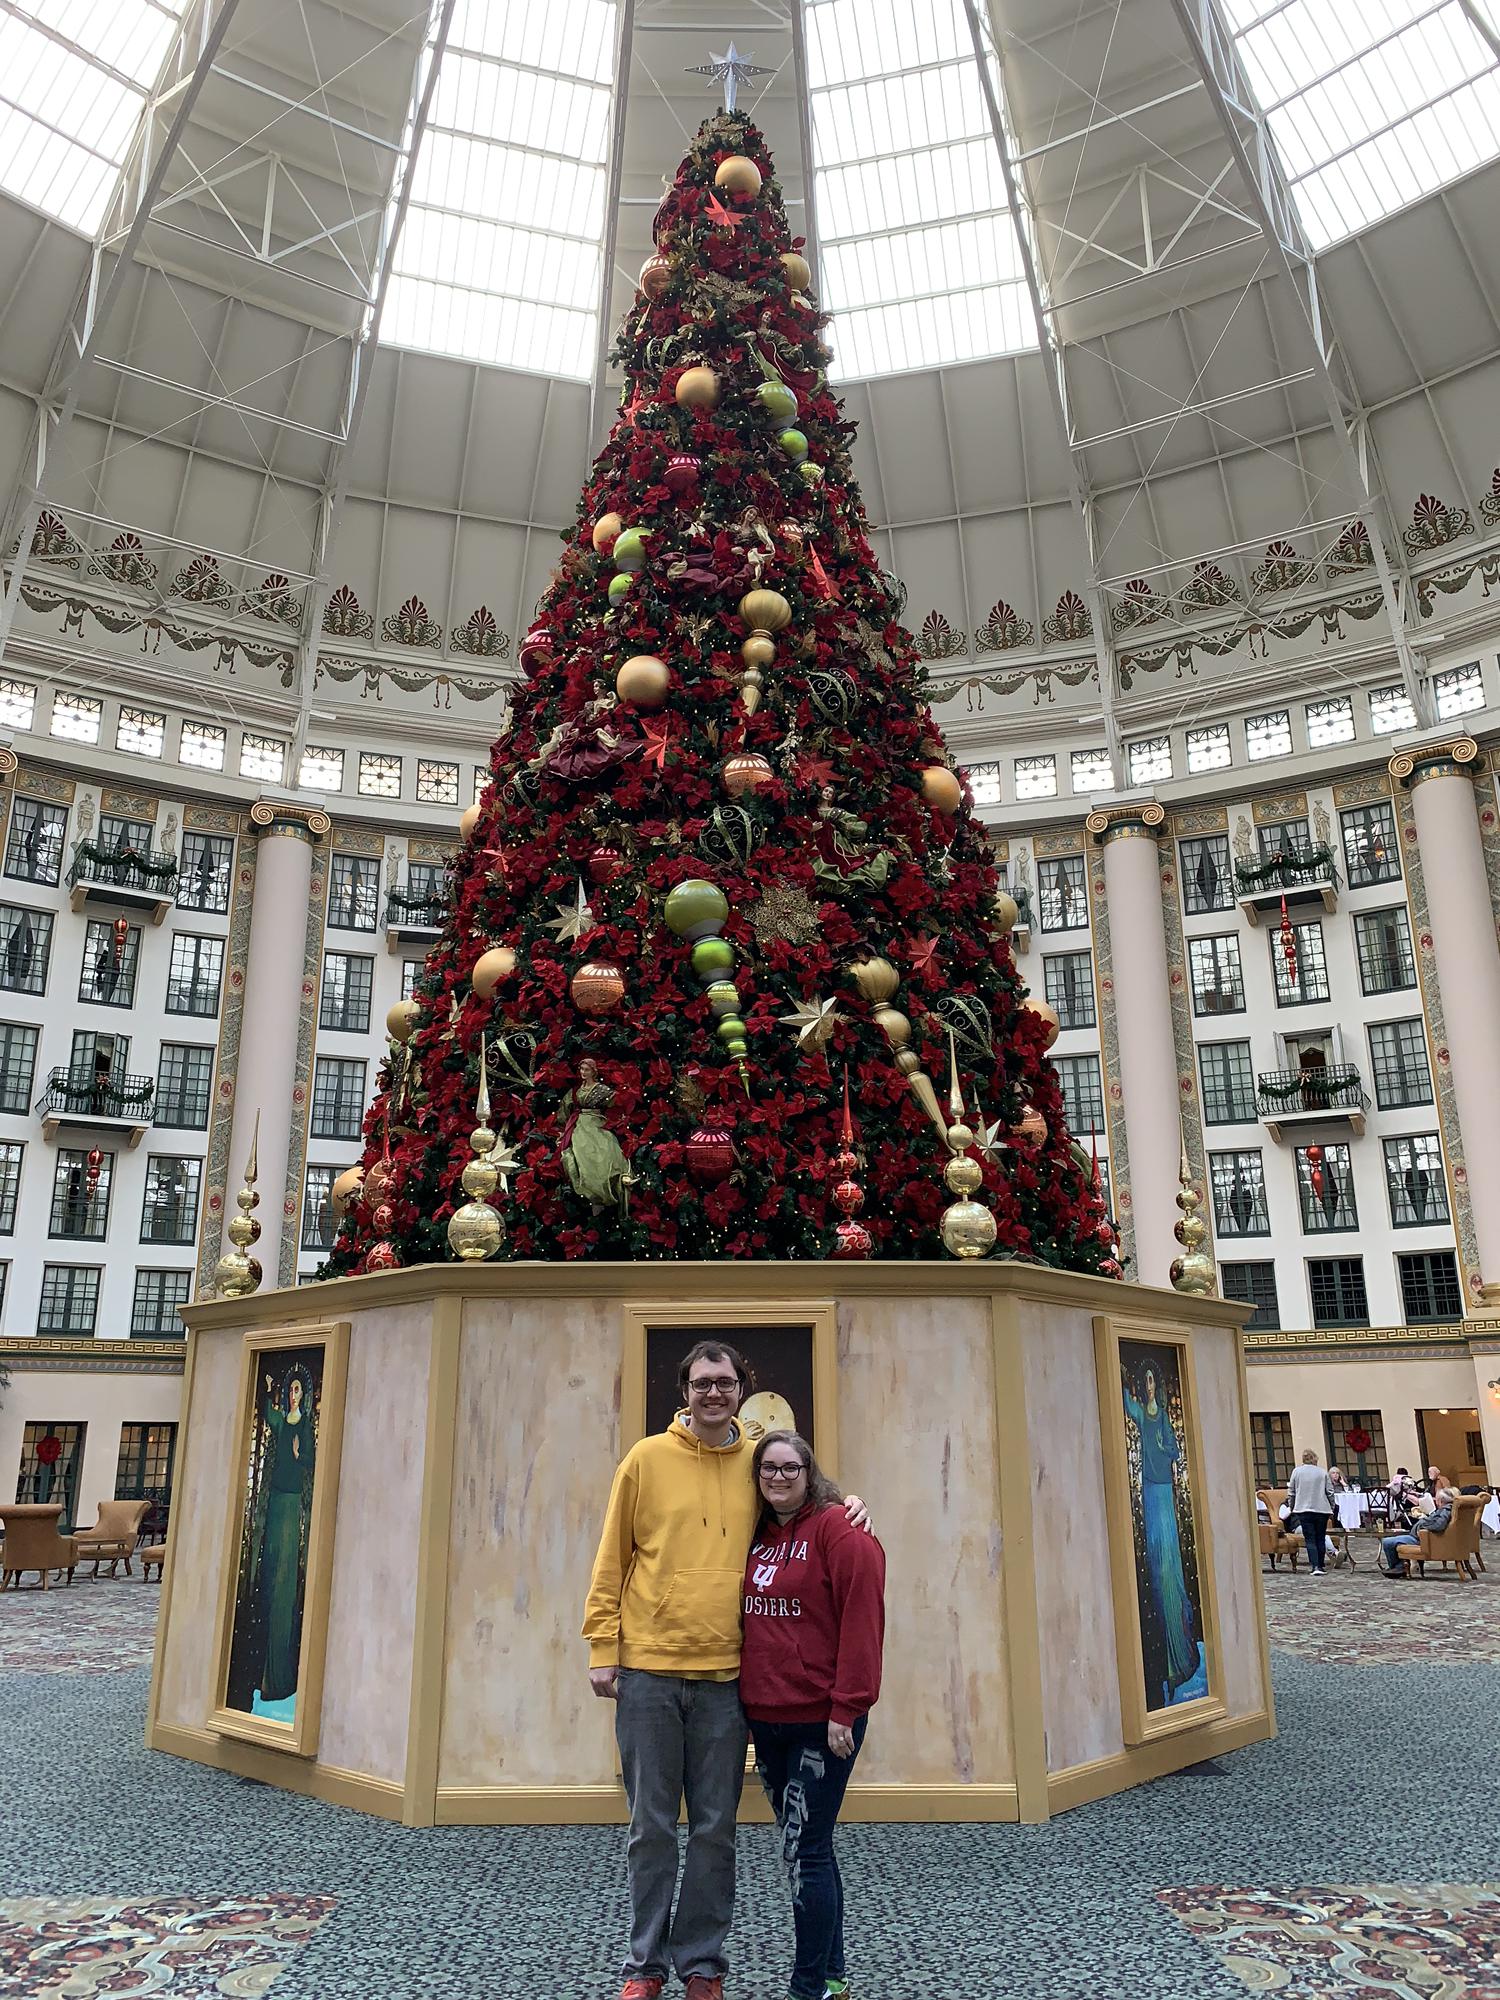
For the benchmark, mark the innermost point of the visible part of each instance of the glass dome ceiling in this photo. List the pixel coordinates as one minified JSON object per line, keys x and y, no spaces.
{"x":1372,"y":107}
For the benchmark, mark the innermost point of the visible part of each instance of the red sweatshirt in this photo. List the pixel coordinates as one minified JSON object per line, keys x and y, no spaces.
{"x":814,"y":1620}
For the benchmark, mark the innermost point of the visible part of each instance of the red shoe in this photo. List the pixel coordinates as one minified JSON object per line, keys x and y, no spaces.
{"x":642,"y":1989}
{"x":701,"y":1987}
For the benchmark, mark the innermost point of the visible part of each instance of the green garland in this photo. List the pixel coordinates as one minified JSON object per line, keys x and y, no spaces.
{"x":433,"y":903}
{"x":1284,"y":866}
{"x":1308,"y":1086}
{"x":117,"y":860}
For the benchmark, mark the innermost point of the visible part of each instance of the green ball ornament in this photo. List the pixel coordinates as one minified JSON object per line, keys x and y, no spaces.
{"x":812,"y":473}
{"x":723,"y":997}
{"x":778,"y":402}
{"x":629,"y":551}
{"x":730,"y":1030}
{"x":737,"y":1049}
{"x":620,"y":587}
{"x":712,"y":957}
{"x":696,"y":909}
{"x":793,"y":443}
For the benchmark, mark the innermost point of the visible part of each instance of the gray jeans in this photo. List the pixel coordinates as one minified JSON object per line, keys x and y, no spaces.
{"x":680,"y":1739}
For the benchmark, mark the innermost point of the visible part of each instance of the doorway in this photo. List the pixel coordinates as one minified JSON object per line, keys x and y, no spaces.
{"x":1452,"y":1441}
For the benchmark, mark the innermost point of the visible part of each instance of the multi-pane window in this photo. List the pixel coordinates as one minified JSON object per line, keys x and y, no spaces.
{"x":347,"y":981}
{"x":122,"y":836}
{"x":428,"y":880}
{"x":17,"y":1064}
{"x":1238,"y":1182}
{"x":1061,"y":895}
{"x":1150,"y":760}
{"x":1302,"y":976}
{"x":1458,"y":690}
{"x":1270,"y":1434}
{"x":1228,"y":1083}
{"x":1430,"y":1289}
{"x":1268,"y":735}
{"x":25,"y":948}
{"x":51,"y":1476}
{"x":1285,"y":836}
{"x":1398,"y":1064}
{"x":1414,"y":1180}
{"x":319,"y":1223}
{"x":169,"y":1210}
{"x":34,"y":842}
{"x":1371,"y":851}
{"x":1383,"y":940}
{"x":1336,"y":1290}
{"x":194,"y":973}
{"x":184,"y":1080}
{"x":153,"y":1310}
{"x":1390,"y":710}
{"x":1366,"y":1428}
{"x":141,"y":731}
{"x":481,"y":779}
{"x":1069,"y":982}
{"x":338,"y":1105}
{"x":1325,"y":1188}
{"x":79,"y":1209}
{"x":437,"y":782}
{"x":70,"y":1299}
{"x":12,"y":1152}
{"x":353,"y":892}
{"x":143,"y":1470}
{"x":321,"y":769}
{"x":1253,"y":1285}
{"x":202,"y":745}
{"x":1215,"y":974}
{"x":1207,"y":875}
{"x":204,"y":878}
{"x":1091,"y":772}
{"x":17,"y":704}
{"x":1083,"y":1100}
{"x":75,"y":717}
{"x":379,"y":775}
{"x":1208,"y":748}
{"x":411,"y":972}
{"x":1036,"y":777}
{"x":1330,"y":722}
{"x":262,"y":757}
{"x":984,"y":783}
{"x":110,"y":961}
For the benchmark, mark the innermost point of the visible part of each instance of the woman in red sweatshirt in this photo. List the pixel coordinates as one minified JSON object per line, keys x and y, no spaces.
{"x":809,"y":1675}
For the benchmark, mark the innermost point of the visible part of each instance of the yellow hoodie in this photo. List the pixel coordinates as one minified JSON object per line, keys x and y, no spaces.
{"x":669,"y":1576}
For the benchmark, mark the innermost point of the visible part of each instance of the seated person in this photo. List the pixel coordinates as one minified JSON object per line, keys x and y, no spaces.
{"x":1396,"y":1550}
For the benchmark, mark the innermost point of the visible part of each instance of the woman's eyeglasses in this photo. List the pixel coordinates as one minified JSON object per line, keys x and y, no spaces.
{"x":781,"y":1471}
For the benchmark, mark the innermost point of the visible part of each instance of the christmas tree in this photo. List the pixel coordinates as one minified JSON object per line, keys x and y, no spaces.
{"x":724,"y":879}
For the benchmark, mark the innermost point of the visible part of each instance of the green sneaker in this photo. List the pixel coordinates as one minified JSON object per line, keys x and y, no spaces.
{"x":836,"y":1989}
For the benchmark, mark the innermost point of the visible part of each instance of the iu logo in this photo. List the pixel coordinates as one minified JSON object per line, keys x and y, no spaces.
{"x":765,"y":1575}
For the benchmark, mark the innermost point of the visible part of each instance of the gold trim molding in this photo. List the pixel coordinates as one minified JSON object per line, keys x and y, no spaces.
{"x":1456,"y":758}
{"x":88,"y":1357}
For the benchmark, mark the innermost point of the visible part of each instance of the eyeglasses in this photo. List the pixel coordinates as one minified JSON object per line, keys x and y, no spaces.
{"x":782,"y":1471}
{"x":725,"y":1385}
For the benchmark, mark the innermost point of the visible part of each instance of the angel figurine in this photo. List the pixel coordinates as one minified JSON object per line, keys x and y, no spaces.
{"x":593,"y":1159}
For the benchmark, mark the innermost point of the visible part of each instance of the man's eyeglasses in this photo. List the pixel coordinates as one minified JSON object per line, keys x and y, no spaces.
{"x":726,"y":1385}
{"x":780,"y":1471}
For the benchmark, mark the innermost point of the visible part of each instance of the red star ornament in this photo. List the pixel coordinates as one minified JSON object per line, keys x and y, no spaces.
{"x":720,"y":216}
{"x":921,"y":953}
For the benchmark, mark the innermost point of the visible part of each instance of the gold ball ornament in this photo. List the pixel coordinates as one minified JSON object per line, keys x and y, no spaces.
{"x":1046,"y":1014}
{"x":1030,"y":1127}
{"x":643,"y":681}
{"x":941,"y":789}
{"x":894,"y":1025}
{"x":759,"y":650}
{"x":236,"y":1275}
{"x":739,"y":175}
{"x":346,"y":1189}
{"x":962,"y":1174}
{"x":607,"y":531}
{"x":468,"y":819}
{"x":475,"y":1232}
{"x":743,"y":772}
{"x":656,"y":275}
{"x":968,"y":1229}
{"x":1007,"y":912}
{"x":597,"y":988}
{"x":479,"y":1177}
{"x":1194,"y":1274}
{"x":491,"y":966}
{"x":401,"y":1021}
{"x":877,"y":980}
{"x":765,"y":610}
{"x":698,"y":389}
{"x":798,"y":270}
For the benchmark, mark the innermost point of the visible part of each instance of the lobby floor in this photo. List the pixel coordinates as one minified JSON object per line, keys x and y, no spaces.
{"x":1357,"y":1855}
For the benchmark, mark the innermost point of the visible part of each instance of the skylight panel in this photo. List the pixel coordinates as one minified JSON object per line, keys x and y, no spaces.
{"x":500,"y":257}
{"x":73,"y":79}
{"x":919,"y":262}
{"x":1371,"y":107}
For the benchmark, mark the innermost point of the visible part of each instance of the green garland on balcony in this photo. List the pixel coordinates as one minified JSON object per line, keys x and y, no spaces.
{"x":1308,"y":1085}
{"x":432,"y":901}
{"x":116,"y":860}
{"x":1283,"y":866}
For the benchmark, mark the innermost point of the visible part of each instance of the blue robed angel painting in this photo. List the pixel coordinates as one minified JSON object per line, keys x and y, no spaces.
{"x":1163,"y":1519}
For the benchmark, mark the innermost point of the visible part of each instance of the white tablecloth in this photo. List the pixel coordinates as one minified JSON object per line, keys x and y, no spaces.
{"x":1351,"y":1508}
{"x":1491,"y":1517}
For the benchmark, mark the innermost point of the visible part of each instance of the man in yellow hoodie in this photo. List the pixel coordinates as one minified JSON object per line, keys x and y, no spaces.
{"x":663,"y":1626}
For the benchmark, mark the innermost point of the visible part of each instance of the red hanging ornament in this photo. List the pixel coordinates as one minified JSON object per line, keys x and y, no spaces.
{"x":708,"y":1154}
{"x":122,"y":932}
{"x":604,"y":864}
{"x":681,"y":476}
{"x":95,"y":1168}
{"x":1288,"y":943}
{"x":851,"y":1238}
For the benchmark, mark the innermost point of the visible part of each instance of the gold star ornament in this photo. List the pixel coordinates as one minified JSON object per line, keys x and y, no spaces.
{"x":814,"y":1021}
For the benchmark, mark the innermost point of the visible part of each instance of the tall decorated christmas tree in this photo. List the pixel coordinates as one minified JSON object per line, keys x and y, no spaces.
{"x":724,"y":883}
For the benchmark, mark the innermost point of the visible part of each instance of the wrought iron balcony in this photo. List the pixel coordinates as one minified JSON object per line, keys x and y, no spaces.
{"x":414,"y":913}
{"x":122,"y":1103}
{"x":1324,"y":1094}
{"x":124,"y":875}
{"x":1296,"y":876}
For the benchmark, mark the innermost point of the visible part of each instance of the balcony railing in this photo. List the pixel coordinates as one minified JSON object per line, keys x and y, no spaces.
{"x":1299,"y":874}
{"x":88,"y":1100}
{"x":145,"y":874}
{"x":1333,"y":1091}
{"x":413,"y":913}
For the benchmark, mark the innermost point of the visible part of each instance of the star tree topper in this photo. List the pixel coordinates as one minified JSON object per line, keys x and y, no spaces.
{"x":730,"y":69}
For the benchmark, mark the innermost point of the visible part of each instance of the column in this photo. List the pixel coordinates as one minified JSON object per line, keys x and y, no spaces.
{"x":266,"y":1070}
{"x":1462,"y":921}
{"x":1143,"y":1021}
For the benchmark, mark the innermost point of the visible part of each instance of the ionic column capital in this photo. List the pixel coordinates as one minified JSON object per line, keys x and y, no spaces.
{"x":1455,"y":757}
{"x":290,"y":821}
{"x":1138,"y":819}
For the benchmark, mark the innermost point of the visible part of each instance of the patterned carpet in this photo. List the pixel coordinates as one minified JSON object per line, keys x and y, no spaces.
{"x":1276,"y":1870}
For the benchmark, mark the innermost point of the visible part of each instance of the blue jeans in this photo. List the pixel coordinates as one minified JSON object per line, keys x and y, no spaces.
{"x":805,"y":1783}
{"x":1391,"y":1547}
{"x":1315,"y":1536}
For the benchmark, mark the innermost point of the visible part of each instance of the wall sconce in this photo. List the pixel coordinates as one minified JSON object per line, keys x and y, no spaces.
{"x":1494,"y":1387}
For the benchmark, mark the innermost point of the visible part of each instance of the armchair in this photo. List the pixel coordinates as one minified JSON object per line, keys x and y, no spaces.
{"x":1457,"y":1544}
{"x":1276,"y":1539}
{"x":113,"y":1536}
{"x":32,"y":1542}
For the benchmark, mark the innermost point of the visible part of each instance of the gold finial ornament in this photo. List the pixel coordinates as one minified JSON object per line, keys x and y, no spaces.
{"x":1194,"y":1272}
{"x":475,"y":1230}
{"x":237,"y":1273}
{"x":968,"y":1226}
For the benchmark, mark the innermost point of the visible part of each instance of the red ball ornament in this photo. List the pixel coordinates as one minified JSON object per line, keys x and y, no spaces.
{"x":681,"y":475}
{"x":709,"y":1154}
{"x":383,"y":1218}
{"x":536,"y":649}
{"x":597,"y":988}
{"x":382,"y":1257}
{"x":604,"y":864}
{"x":656,"y":275}
{"x":1315,"y":1156}
{"x":851,"y":1240}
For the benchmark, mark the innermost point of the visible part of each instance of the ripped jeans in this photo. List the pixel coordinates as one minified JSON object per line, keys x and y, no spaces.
{"x":805,"y":1783}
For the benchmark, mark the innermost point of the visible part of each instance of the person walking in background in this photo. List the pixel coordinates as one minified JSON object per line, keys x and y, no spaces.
{"x":1310,"y":1502}
{"x":809,"y":1676}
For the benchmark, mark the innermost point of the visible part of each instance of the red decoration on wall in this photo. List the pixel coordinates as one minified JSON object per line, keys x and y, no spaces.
{"x":49,"y":1451}
{"x":1358,"y":1441}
